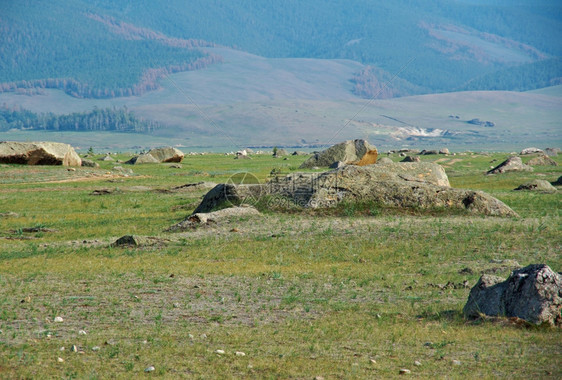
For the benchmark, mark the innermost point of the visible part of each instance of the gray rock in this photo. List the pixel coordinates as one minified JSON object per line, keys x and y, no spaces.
{"x":38,"y":153}
{"x":280,"y":153}
{"x":396,"y":185}
{"x":175,"y":166}
{"x":107,"y":158}
{"x":130,"y":240}
{"x":411,"y":159}
{"x":299,"y":153}
{"x":552,"y":152}
{"x":89,"y":163}
{"x":347,"y":151}
{"x":167,"y":154}
{"x":538,"y":185}
{"x":533,"y":293}
{"x":142,"y":159}
{"x":428,"y":152}
{"x":444,"y":151}
{"x":532,"y":150}
{"x":542,"y":160}
{"x":512,"y":164}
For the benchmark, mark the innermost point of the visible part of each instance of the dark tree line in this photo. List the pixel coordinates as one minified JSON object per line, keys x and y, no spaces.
{"x":107,"y":119}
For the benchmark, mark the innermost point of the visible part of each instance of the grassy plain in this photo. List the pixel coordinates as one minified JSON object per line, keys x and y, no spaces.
{"x":356,"y":294}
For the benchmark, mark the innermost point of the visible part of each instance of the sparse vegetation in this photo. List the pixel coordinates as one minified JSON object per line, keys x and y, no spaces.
{"x":358,"y":293}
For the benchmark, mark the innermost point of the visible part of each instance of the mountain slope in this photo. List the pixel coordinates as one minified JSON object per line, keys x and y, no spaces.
{"x":109,"y":48}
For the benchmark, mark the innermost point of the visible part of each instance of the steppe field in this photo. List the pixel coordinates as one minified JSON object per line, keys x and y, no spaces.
{"x":357,"y":291}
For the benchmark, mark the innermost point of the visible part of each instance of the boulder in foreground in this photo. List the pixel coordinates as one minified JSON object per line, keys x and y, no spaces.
{"x":533,"y":293}
{"x":348,"y":152}
{"x":38,"y":153}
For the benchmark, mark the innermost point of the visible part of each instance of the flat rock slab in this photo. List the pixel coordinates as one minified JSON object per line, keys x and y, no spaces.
{"x":227,"y":214}
{"x":347,"y":151}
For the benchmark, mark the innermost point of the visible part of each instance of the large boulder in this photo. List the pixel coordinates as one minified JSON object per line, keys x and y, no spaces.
{"x":393,"y":185}
{"x":538,"y":185}
{"x":552,"y":152}
{"x":38,"y":153}
{"x":512,"y":164}
{"x":347,"y":151}
{"x":167,"y":154}
{"x":542,"y":160}
{"x":533,"y":293}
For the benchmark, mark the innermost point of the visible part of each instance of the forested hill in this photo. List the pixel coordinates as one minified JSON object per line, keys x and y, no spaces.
{"x":107,"y":48}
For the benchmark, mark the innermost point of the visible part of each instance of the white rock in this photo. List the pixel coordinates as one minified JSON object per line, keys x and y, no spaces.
{"x":373,"y":361}
{"x":190,"y":336}
{"x":203,"y":336}
{"x":240,"y":353}
{"x":62,"y":348}
{"x":404,"y":371}
{"x":456,"y":362}
{"x":59,"y":319}
{"x":60,"y":360}
{"x":95,"y":348}
{"x":149,"y":369}
{"x":220,"y":352}
{"x":82,"y":332}
{"x":74,"y":348}
{"x":417,"y":363}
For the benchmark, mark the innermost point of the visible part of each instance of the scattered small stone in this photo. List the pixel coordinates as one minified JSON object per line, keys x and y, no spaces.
{"x":379,"y":316}
{"x":190,"y":336}
{"x":149,"y":369}
{"x":240,"y":353}
{"x":59,"y":319}
{"x":220,"y":352}
{"x":60,"y":360}
{"x":62,"y":349}
{"x":318,"y":378}
{"x":250,"y":366}
{"x":95,"y":348}
{"x":71,"y":169}
{"x":417,"y":363}
{"x":82,"y":332}
{"x":404,"y":371}
{"x":74,"y":348}
{"x":203,"y":336}
{"x":176,"y":305}
{"x":372,"y":361}
{"x":456,"y":362}
{"x":235,"y":230}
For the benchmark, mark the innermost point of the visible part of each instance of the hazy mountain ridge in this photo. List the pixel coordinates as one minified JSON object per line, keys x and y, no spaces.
{"x":450,"y":44}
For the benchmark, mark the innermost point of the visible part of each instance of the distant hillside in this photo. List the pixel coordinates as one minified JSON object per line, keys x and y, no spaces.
{"x":107,"y":48}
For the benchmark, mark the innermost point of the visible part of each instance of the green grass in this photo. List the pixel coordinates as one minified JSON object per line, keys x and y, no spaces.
{"x":301,"y":294}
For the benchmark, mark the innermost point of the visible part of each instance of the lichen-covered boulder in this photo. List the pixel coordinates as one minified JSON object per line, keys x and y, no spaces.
{"x":392,"y":185}
{"x":542,"y":160}
{"x":38,"y":153}
{"x":143,"y":159}
{"x":533,"y":293}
